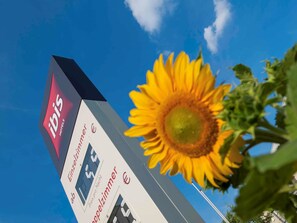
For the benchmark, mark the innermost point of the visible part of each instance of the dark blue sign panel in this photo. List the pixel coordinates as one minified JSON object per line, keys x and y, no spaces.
{"x":87,"y":174}
{"x":121,"y":213}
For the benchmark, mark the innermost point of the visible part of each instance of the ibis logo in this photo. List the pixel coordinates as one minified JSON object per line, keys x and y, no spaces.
{"x":56,"y":115}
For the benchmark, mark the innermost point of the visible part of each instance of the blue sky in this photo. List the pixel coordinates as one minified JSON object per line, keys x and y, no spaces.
{"x":115,"y":43}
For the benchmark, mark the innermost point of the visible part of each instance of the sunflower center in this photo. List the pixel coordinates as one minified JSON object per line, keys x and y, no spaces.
{"x":187,"y":125}
{"x":183,"y":125}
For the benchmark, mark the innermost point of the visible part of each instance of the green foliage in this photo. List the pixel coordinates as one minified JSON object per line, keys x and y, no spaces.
{"x":233,"y":218}
{"x":291,"y":108}
{"x":243,"y":107}
{"x":286,"y":155}
{"x":265,"y":181}
{"x":240,"y":174}
{"x":262,"y":191}
{"x":280,"y":117}
{"x":277,"y":71}
{"x":285,"y":203}
{"x":243,"y":73}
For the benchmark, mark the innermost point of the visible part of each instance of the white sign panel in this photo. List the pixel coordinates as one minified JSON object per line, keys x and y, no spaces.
{"x":98,"y":182}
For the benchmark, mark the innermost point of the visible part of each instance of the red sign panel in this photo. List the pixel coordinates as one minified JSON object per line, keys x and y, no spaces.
{"x":57,"y":112}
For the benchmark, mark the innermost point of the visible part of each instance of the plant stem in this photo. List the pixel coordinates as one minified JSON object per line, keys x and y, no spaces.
{"x":249,"y":141}
{"x":264,"y":135}
{"x":266,"y":124}
{"x":252,"y":143}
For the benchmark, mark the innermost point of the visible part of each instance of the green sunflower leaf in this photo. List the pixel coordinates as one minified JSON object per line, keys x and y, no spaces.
{"x":261,"y":192}
{"x":285,"y":155}
{"x":264,"y":90}
{"x":277,"y":71}
{"x":240,"y":174}
{"x":243,"y":72}
{"x":285,"y":204}
{"x":291,"y":107}
{"x":289,"y":60}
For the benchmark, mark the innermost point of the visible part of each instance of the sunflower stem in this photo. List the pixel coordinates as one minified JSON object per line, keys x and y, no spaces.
{"x":262,"y":136}
{"x":279,"y":131}
{"x":249,"y":141}
{"x":266,"y":135}
{"x":251,"y":145}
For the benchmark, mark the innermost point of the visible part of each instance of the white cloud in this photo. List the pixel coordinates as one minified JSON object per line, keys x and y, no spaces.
{"x":213,"y":32}
{"x":149,"y":13}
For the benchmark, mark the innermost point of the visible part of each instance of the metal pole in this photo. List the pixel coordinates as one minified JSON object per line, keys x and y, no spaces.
{"x":210,"y":203}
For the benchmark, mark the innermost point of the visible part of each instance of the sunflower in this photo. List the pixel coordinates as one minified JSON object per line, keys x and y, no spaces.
{"x":176,"y":115}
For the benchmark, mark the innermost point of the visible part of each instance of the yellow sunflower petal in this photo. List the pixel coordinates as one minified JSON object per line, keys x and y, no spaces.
{"x":198,"y":171}
{"x":196,"y":69}
{"x":152,"y":92}
{"x":139,"y":130}
{"x":142,"y":112}
{"x":169,"y":65}
{"x":229,"y":163}
{"x":159,"y":82}
{"x":179,"y":69}
{"x":220,"y":139}
{"x":150,"y":143}
{"x":189,"y":77}
{"x":151,"y":80}
{"x":141,"y":100}
{"x":174,"y":170}
{"x":209,"y":85}
{"x":217,"y":173}
{"x":216,"y":108}
{"x":209,"y":172}
{"x":154,"y":150}
{"x":163,"y":78}
{"x":217,"y":94}
{"x":222,"y":167}
{"x":156,"y":158}
{"x":141,"y":120}
{"x":205,"y":81}
{"x":187,"y":169}
{"x":166,"y":165}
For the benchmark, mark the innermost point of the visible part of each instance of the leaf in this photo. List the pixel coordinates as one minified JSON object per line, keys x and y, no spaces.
{"x":291,"y":107}
{"x":260,"y":191}
{"x":293,"y":198}
{"x":290,"y":58}
{"x":243,"y":72}
{"x":239,"y":174}
{"x":280,"y":118}
{"x":277,"y":72}
{"x":285,"y":203}
{"x":265,"y":89}
{"x":285,"y":155}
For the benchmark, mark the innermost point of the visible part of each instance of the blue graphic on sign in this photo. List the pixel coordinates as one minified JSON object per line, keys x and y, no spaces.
{"x":121,"y":213}
{"x":87,"y":174}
